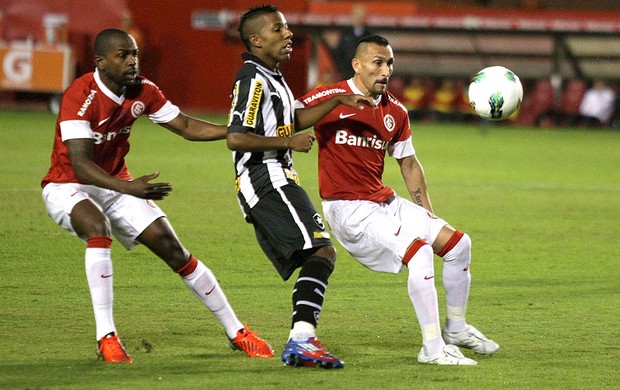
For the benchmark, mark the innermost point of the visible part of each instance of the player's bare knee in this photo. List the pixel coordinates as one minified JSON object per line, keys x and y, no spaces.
{"x":92,"y":226}
{"x":328,"y":253}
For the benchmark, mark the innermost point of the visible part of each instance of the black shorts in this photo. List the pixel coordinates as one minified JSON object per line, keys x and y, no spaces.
{"x":288,"y":228}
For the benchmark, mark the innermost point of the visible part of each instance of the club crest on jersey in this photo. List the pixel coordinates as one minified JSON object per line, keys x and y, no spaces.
{"x":389,"y":122}
{"x":137,"y":108}
{"x":319,"y":221}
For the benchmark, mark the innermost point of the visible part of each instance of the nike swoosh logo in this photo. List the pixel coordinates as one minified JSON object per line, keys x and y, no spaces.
{"x":104,"y":276}
{"x":103,"y":121}
{"x":210,"y":291}
{"x":344,"y":116}
{"x":398,"y":231}
{"x":429,"y":277}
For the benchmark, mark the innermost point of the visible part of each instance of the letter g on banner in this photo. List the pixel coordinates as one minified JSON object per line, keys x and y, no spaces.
{"x":17,"y":66}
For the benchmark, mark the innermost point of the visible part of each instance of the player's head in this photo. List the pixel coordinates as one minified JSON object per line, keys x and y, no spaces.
{"x":116,"y":57}
{"x":264,"y":33}
{"x":373,"y":65}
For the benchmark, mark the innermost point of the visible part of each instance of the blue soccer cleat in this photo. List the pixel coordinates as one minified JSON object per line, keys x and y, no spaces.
{"x":309,"y":353}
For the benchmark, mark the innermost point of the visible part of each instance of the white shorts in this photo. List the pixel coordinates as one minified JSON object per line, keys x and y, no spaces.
{"x":129,"y":216}
{"x":378,"y":234}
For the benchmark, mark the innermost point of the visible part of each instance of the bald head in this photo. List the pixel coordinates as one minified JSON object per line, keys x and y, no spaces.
{"x":108,"y":39}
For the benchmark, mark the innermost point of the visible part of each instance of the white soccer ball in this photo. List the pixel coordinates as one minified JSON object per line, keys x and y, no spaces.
{"x":495,"y":93}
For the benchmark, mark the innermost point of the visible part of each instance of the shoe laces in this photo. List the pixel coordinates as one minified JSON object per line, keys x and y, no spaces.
{"x":111,"y":347}
{"x":251,"y":344}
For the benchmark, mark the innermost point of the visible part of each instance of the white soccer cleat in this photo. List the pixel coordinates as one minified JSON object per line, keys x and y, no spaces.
{"x":449,"y":356}
{"x":471,"y":338}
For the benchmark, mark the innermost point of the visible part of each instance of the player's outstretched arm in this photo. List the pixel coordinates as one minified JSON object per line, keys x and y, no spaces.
{"x":249,"y":142}
{"x":194,"y":129}
{"x":308,"y":116}
{"x":81,"y":156}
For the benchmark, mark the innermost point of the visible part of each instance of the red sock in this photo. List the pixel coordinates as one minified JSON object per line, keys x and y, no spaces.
{"x":188,"y":268}
{"x":411,"y":251}
{"x":99,"y":242}
{"x":456,"y":237}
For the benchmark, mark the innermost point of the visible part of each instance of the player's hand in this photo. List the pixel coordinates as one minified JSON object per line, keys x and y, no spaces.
{"x":141,"y":187}
{"x":357,"y":101}
{"x":302,"y":142}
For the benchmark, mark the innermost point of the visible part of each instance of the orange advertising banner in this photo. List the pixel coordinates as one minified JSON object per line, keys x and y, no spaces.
{"x":36,"y":69}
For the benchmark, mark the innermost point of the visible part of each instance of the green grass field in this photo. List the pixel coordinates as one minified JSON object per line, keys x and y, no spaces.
{"x":542,"y":208}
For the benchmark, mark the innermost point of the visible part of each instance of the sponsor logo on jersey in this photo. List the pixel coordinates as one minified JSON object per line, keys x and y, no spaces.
{"x":321,"y":94}
{"x":233,"y":104}
{"x":147,"y":82}
{"x":344,"y":138}
{"x":87,"y":102}
{"x":285,"y":131}
{"x":345,"y":116}
{"x":399,"y":104}
{"x":321,"y":235}
{"x":389,"y":122}
{"x":291,"y":176}
{"x":252,"y":111}
{"x":99,"y":138}
{"x":137,"y":108}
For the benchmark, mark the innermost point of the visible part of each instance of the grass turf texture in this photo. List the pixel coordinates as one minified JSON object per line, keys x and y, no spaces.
{"x":541,"y":206}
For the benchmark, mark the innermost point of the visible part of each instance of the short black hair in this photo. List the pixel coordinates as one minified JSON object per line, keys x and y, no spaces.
{"x":104,"y":39}
{"x":246,"y":27}
{"x":378,"y":39}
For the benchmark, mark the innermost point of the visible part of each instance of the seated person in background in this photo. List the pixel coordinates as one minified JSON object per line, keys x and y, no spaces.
{"x":415,"y":99}
{"x":598,"y":104}
{"x":443,"y":102}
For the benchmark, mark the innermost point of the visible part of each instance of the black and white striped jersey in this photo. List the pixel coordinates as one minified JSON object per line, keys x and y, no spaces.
{"x":262,"y":104}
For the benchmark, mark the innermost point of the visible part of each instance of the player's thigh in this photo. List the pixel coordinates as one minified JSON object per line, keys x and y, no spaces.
{"x":287,"y":224}
{"x":415,"y":221}
{"x":369,"y":232}
{"x":130,"y":216}
{"x":73,"y":207}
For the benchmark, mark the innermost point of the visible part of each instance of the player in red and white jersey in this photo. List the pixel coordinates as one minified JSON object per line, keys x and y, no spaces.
{"x":89,"y":191}
{"x":383,"y":231}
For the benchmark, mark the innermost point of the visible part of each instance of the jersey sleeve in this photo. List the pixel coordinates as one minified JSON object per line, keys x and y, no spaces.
{"x":160,"y":110}
{"x":74,"y":117}
{"x":165,"y":114}
{"x":402,"y":149}
{"x":403,"y":146}
{"x":247,"y":96}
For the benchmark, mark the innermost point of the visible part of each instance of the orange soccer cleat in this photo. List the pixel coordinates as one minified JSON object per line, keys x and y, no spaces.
{"x":249,"y":342}
{"x":111,"y":350}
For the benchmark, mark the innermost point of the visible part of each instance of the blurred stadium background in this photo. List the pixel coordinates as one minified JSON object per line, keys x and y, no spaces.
{"x":190,"y":49}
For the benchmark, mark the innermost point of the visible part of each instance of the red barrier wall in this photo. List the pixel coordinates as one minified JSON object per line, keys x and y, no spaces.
{"x":196,"y":68}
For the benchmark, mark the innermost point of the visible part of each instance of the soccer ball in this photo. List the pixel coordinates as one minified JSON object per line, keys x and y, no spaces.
{"x":495,"y":93}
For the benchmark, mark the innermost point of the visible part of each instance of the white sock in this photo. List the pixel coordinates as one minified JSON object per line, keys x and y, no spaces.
{"x":98,"y":264}
{"x":204,"y":285}
{"x":423,"y":295}
{"x":456,"y":281}
{"x":302,"y":330}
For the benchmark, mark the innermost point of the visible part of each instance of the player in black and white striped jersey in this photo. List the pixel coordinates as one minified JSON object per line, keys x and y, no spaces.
{"x":262,"y":134}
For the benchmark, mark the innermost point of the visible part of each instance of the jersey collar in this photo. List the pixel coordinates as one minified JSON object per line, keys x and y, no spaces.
{"x":106,"y":91}
{"x":249,"y":57}
{"x":356,"y":90}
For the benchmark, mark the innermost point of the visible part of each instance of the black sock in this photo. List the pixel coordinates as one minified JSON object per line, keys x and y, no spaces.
{"x":310,"y":289}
